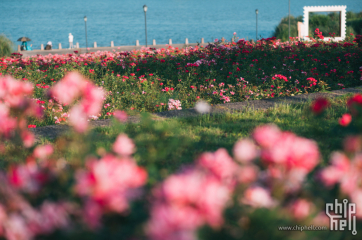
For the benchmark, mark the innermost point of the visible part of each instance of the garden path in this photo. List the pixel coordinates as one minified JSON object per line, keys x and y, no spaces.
{"x":52,"y":131}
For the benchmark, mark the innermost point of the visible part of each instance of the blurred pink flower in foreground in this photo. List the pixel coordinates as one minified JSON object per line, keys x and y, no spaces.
{"x":266,"y":135}
{"x":53,"y":216}
{"x":7,"y":123}
{"x":292,"y":151}
{"x":27,"y":177}
{"x":92,"y":99}
{"x":185,"y":202}
{"x":219,"y":163}
{"x":356,"y":197}
{"x":195,"y":197}
{"x":14,"y":95}
{"x":339,"y":167}
{"x":29,"y":222}
{"x":173,"y":222}
{"x":16,"y":228}
{"x":301,"y":209}
{"x":28,"y":138}
{"x":346,"y":172}
{"x":248,"y":174}
{"x":42,"y":152}
{"x":258,"y":197}
{"x":123,"y":145}
{"x":13,"y":91}
{"x":288,"y":157}
{"x":69,"y":88}
{"x":245,"y":151}
{"x":78,"y":119}
{"x":197,"y":189}
{"x":110,"y":181}
{"x":72,"y":86}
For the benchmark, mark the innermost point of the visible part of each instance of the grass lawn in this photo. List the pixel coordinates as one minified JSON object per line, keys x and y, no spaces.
{"x":163,"y":146}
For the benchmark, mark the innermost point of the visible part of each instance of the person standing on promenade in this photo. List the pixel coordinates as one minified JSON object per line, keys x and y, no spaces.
{"x":70,"y":41}
{"x":48,"y":46}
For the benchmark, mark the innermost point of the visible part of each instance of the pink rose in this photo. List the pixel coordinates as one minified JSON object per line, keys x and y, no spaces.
{"x":301,"y":209}
{"x":111,"y":181}
{"x":356,"y":197}
{"x":258,"y":197}
{"x":266,"y":135}
{"x":248,"y":174}
{"x":245,"y":151}
{"x":220,"y":163}
{"x":43,"y":152}
{"x":124,"y":145}
{"x":69,"y":88}
{"x":13,"y":91}
{"x":78,"y":119}
{"x":92,"y":99}
{"x":28,"y":138}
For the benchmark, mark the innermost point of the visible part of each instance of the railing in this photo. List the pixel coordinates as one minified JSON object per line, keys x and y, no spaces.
{"x":112,"y":44}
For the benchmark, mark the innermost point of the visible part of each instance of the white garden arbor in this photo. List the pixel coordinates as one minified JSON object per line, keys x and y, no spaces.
{"x":342,"y":23}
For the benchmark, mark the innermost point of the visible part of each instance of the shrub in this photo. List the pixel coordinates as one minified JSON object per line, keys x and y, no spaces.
{"x":6,"y":46}
{"x":326,"y":24}
{"x":356,"y":25}
{"x":145,"y":80}
{"x":281,"y":31}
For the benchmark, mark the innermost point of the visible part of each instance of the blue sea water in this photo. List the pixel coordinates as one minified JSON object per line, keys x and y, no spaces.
{"x":123,"y":21}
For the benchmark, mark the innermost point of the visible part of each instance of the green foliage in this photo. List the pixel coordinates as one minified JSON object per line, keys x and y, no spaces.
{"x":356,"y":25}
{"x":6,"y":46}
{"x":281,"y":31}
{"x":326,"y":23}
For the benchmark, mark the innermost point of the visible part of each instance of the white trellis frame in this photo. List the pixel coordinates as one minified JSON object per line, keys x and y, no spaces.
{"x":341,"y":9}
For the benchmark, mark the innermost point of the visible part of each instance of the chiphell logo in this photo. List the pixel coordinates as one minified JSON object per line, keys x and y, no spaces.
{"x":341,"y":216}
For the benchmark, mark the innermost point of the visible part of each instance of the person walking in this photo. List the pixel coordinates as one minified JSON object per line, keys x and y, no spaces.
{"x":70,"y":41}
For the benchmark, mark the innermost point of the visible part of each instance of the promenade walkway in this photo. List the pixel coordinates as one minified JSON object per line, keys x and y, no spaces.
{"x":117,"y":49}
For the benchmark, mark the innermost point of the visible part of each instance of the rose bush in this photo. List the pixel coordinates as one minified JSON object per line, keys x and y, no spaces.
{"x":148,"y":79}
{"x":272,"y":179}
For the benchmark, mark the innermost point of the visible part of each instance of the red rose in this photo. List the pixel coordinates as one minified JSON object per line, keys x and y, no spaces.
{"x":345,"y":120}
{"x":354,"y":103}
{"x":319,"y":105}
